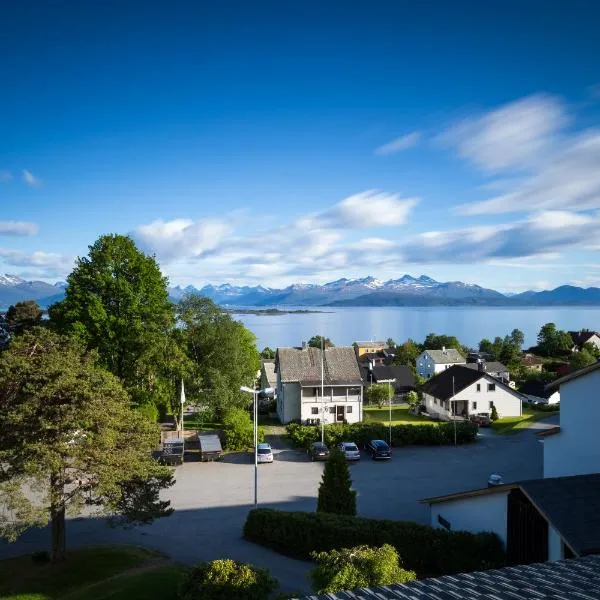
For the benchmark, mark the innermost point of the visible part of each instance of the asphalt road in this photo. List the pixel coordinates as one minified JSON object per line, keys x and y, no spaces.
{"x":212,"y":499}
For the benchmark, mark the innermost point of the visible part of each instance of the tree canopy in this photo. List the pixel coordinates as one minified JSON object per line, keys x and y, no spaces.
{"x":68,"y":432}
{"x":267,"y":353}
{"x":581,"y":359}
{"x":552,"y":341}
{"x":437,"y":342}
{"x":117,"y":303}
{"x":406,"y":353}
{"x":316,"y":341}
{"x":378,"y":393}
{"x":23,"y":315}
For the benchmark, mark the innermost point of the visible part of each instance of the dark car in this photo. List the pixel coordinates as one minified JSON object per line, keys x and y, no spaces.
{"x":481,"y":419}
{"x":379,"y":449}
{"x":318,"y":451}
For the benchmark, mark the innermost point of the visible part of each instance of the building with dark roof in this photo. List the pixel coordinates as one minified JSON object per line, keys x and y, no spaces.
{"x":584,"y":337}
{"x":399,"y":376}
{"x":492,"y":367}
{"x":318,"y":385}
{"x":575,"y":579}
{"x":536,"y":392}
{"x":461,"y":391}
{"x":432,"y":362}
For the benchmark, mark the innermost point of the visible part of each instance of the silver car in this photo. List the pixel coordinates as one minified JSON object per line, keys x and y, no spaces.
{"x":264,"y":453}
{"x":350,"y":450}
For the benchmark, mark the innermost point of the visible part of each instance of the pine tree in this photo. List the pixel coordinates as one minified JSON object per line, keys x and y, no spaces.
{"x":494,"y":413}
{"x":335,"y":492}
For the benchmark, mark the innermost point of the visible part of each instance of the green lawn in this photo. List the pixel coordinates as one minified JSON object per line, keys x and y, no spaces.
{"x":400,"y":416}
{"x":195,"y":422}
{"x":510,"y":425}
{"x":82,"y":575}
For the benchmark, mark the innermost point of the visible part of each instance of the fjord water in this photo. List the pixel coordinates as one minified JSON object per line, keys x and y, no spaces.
{"x":346,"y":325}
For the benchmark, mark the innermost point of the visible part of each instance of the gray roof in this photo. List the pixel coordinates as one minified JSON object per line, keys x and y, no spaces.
{"x":576,"y":579}
{"x":269,"y":369}
{"x":304,"y":366}
{"x":447,"y":356}
{"x":491,"y":366}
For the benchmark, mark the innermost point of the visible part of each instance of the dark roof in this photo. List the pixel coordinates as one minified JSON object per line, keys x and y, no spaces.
{"x":453,"y":380}
{"x":366,"y":356}
{"x":573,"y":579}
{"x":581,"y":337}
{"x":536,"y":388}
{"x":401,"y":373}
{"x":491,"y":366}
{"x":570,"y":504}
{"x":556,"y":384}
{"x":303,"y":365}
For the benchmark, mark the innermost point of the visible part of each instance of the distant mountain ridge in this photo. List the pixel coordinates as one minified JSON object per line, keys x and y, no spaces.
{"x":366,"y":291}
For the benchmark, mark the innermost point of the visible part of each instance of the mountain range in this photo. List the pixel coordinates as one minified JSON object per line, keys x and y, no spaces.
{"x":366,"y":291}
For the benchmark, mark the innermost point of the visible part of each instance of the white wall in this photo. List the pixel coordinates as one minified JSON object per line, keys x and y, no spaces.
{"x":288,"y":401}
{"x":554,"y":544}
{"x":427,"y":367}
{"x":475,"y":514}
{"x":576,"y":449}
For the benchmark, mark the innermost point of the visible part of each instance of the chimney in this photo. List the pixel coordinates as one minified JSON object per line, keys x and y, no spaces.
{"x":480,"y":365}
{"x":304,"y":346}
{"x":444,"y":349}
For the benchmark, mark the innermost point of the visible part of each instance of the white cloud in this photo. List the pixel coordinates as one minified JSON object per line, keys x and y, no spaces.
{"x":404,"y":142}
{"x":181,"y":238}
{"x":18,"y":228}
{"x":44,"y":265}
{"x":5,"y":176}
{"x":367,"y":209}
{"x":515,"y":136}
{"x":30,"y":179}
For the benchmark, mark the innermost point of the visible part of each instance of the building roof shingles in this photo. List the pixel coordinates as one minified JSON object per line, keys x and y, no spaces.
{"x":575,"y":579}
{"x":490,"y":366}
{"x":447,"y":356}
{"x":453,"y":380}
{"x":303,"y":365}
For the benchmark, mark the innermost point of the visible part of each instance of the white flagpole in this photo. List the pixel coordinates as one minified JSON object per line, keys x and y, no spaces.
{"x":323,"y":389}
{"x":182,"y":398}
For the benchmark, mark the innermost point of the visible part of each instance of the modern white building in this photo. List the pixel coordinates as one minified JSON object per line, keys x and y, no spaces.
{"x":315,"y":385}
{"x":460,"y":392}
{"x":573,"y":448}
{"x":432,"y":362}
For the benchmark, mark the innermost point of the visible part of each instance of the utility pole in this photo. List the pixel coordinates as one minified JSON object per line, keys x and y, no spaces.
{"x":454,"y":416}
{"x":323,"y":389}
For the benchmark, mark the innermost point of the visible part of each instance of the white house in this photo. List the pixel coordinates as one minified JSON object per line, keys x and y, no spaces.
{"x":537,"y":520}
{"x":584,"y":337}
{"x":535,"y":392}
{"x":460,"y":391}
{"x":432,"y":362}
{"x":573,"y":448}
{"x":314,"y":385}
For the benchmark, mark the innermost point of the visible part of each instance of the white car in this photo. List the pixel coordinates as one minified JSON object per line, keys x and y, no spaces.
{"x":350,"y":450}
{"x":264,"y":453}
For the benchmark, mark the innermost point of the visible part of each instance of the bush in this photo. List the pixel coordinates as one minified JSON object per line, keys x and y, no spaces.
{"x":402,"y":435}
{"x":238,"y":430}
{"x":150,"y":411}
{"x":428,"y":551}
{"x":40,"y":557}
{"x":226,"y":579}
{"x":494,"y":413}
{"x":362,"y":566}
{"x":335,"y":492}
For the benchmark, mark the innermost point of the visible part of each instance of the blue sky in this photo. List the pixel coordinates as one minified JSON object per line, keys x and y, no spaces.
{"x":275,"y":142}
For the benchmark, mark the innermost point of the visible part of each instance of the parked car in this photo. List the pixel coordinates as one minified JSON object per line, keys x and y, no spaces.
{"x":378,"y":449}
{"x":318,"y":451}
{"x":481,"y":419}
{"x":264,"y":453}
{"x":350,"y":450}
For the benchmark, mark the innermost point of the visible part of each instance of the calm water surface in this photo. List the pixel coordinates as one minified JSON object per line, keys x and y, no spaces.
{"x":346,"y":325}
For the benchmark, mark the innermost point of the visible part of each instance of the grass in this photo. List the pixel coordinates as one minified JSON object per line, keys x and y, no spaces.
{"x":511,"y":425}
{"x":91,"y":573}
{"x":400,"y":416}
{"x":195,"y":422}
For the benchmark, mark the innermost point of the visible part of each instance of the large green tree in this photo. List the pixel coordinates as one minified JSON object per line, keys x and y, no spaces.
{"x":222,"y":351}
{"x":437,"y":342}
{"x":335,"y":492}
{"x":24,"y":315}
{"x":318,"y":341}
{"x":406,"y":353}
{"x":378,"y":393}
{"x":117,"y":303}
{"x":581,"y":359}
{"x":70,"y":439}
{"x":552,"y":341}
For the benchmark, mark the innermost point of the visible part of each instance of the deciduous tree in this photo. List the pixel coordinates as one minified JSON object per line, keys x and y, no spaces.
{"x":378,"y":393}
{"x":406,"y":354}
{"x":318,"y":341}
{"x":581,"y":359}
{"x":68,"y":433}
{"x":267,"y":353}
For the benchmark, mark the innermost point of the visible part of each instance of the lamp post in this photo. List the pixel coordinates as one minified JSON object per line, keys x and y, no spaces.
{"x":255,"y":410}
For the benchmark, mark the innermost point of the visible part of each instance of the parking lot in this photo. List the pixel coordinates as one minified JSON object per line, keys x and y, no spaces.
{"x":212,"y":499}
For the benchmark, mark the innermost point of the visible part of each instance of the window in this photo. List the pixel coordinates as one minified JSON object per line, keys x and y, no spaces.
{"x":478,"y":387}
{"x":491,"y":405}
{"x":491,"y":387}
{"x":332,"y":410}
{"x":445,"y":524}
{"x":474,"y":405}
{"x":314,"y":410}
{"x":348,"y":410}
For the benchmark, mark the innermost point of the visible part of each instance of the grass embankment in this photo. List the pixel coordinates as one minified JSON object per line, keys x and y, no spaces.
{"x":510,"y":425}
{"x":101,"y":573}
{"x":400,"y":416}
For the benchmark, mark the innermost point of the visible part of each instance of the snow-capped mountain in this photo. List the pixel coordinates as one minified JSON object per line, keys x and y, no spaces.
{"x":15,"y":289}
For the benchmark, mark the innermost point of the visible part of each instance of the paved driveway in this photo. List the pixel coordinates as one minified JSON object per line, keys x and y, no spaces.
{"x":212,"y":499}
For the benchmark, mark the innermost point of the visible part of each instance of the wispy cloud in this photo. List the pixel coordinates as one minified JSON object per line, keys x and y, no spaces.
{"x":18,"y":228}
{"x":30,"y":179}
{"x":404,"y":142}
{"x":5,"y":176}
{"x":43,"y":265}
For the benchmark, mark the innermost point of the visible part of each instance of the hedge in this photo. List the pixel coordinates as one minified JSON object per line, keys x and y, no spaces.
{"x":402,"y":435}
{"x":428,"y":551}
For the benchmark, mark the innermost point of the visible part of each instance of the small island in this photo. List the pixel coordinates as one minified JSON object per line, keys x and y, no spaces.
{"x":272,"y":311}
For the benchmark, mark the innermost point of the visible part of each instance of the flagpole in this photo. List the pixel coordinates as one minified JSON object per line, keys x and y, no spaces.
{"x":454,"y":416}
{"x":323,"y":389}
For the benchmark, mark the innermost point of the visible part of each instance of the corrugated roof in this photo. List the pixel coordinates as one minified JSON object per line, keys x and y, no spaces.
{"x":304,"y":365}
{"x":447,"y":356}
{"x":575,"y":579}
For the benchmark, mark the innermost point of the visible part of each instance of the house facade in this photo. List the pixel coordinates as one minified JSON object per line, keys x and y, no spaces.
{"x":315,"y":385}
{"x":460,"y":391}
{"x":432,"y":362}
{"x":573,"y":448}
{"x":584,"y":337}
{"x":368,"y":348}
{"x":535,"y":392}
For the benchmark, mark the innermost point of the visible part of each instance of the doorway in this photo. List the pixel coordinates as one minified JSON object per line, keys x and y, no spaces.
{"x":339,"y":413}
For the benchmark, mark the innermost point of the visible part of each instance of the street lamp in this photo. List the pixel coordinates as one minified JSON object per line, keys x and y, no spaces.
{"x":255,"y":397}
